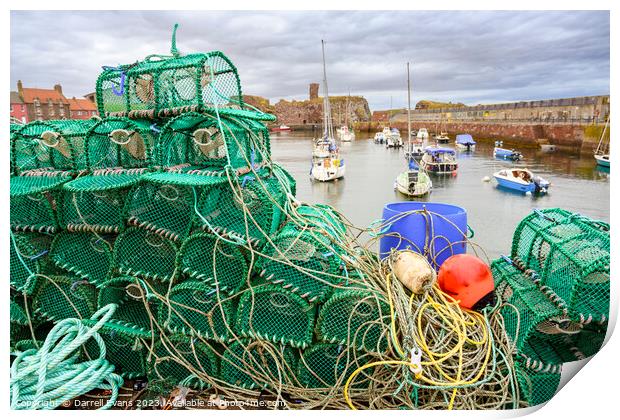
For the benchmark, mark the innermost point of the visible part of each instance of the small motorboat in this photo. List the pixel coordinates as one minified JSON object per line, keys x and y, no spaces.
{"x":422,"y":135}
{"x":602,"y":160}
{"x":345,"y":134}
{"x":548,"y":148}
{"x":439,"y":160}
{"x":442,"y":138}
{"x":281,"y":128}
{"x":394,"y":139}
{"x":601,"y":154}
{"x":509,"y":154}
{"x":413,"y":182}
{"x":413,"y":149}
{"x":521,"y":180}
{"x":379,"y":137}
{"x":465,"y":142}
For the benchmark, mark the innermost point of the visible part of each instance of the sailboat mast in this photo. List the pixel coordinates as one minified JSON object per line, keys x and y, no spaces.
{"x":328,"y":129}
{"x":408,"y":105}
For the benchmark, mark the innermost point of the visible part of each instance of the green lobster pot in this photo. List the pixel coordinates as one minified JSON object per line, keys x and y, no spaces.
{"x":51,"y":146}
{"x":119,"y":152}
{"x":141,"y":253}
{"x":537,"y":382}
{"x":326,"y":365}
{"x":571,"y":254}
{"x":217,"y":263}
{"x":301,"y":261}
{"x":83,"y":254}
{"x":196,"y":309}
{"x":181,"y":361}
{"x":131,"y":295}
{"x":256,"y":364}
{"x":271,"y":313}
{"x":29,"y":256}
{"x":34,"y":200}
{"x":56,"y":298}
{"x":161,"y":86}
{"x":356,"y":318}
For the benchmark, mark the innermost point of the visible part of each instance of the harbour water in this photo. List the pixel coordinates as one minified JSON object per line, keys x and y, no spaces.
{"x":577,"y":184}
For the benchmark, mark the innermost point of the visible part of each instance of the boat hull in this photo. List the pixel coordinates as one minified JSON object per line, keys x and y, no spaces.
{"x":325,"y":174}
{"x":506,"y":154}
{"x":602,"y":160}
{"x":531,"y":187}
{"x":422,"y":187}
{"x":440,"y":167}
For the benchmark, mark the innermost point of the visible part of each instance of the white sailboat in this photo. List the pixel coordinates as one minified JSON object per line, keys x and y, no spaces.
{"x":414,"y":182}
{"x":601,"y":154}
{"x":327,"y":164}
{"x":345,"y":134}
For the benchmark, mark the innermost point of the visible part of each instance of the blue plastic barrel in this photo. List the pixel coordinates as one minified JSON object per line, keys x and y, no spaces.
{"x":409,"y":226}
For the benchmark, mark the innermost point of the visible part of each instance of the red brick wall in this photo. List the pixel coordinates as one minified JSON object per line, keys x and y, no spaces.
{"x":19,"y":112}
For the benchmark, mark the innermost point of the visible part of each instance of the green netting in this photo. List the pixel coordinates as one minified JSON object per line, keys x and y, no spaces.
{"x":51,"y":145}
{"x":177,"y":360}
{"x":206,"y":258}
{"x":356,"y":318}
{"x":537,"y":384}
{"x":56,"y":298}
{"x":271,"y":313}
{"x":250,"y":211}
{"x":286,"y":177}
{"x":255,"y":364}
{"x":326,"y":365}
{"x":126,"y":348}
{"x":29,"y":256}
{"x":161,"y":204}
{"x":166,"y":83}
{"x":142,"y":253}
{"x":571,"y":254}
{"x":84,"y":254}
{"x":194,"y":308}
{"x":34,"y":200}
{"x":302,"y":260}
{"x":131,"y":297}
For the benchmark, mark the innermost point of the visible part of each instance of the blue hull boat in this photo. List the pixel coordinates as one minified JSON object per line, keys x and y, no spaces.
{"x":521,"y":180}
{"x":509,"y":154}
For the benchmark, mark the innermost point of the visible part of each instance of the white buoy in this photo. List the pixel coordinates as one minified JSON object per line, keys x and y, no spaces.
{"x":528,"y":193}
{"x":486,"y":179}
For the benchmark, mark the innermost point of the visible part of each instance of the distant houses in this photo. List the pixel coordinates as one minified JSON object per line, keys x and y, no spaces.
{"x":32,"y":104}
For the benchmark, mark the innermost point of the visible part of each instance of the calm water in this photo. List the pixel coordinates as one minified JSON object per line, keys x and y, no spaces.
{"x":576,"y":185}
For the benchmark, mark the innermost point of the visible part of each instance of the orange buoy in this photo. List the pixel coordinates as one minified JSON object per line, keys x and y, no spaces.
{"x":467,"y":279}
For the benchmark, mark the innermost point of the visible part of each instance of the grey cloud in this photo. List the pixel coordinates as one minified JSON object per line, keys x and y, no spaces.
{"x":468,"y":56}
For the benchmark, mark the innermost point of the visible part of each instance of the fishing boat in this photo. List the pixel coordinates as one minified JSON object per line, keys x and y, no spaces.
{"x":422,"y":135}
{"x":327,"y":165}
{"x":521,"y":179}
{"x":465,"y":142}
{"x":394,"y":139}
{"x":439,"y":160}
{"x":601,"y":154}
{"x":414,"y":182}
{"x":442,"y":138}
{"x":501,"y":153}
{"x":379,"y":137}
{"x":281,"y":128}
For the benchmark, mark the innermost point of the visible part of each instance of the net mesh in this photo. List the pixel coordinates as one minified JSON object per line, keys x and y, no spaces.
{"x":56,"y":298}
{"x":29,"y":256}
{"x":326,"y":365}
{"x":84,"y":254}
{"x":536,"y":385}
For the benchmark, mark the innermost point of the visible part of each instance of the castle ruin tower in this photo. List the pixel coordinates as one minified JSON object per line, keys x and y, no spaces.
{"x":314,"y":91}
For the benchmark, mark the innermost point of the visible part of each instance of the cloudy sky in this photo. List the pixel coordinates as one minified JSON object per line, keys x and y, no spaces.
{"x":472,"y":57}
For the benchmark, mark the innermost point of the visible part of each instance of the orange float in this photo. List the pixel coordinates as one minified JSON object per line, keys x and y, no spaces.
{"x":467,"y":279}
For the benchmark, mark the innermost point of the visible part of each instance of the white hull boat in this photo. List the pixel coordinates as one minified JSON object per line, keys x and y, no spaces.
{"x":327,"y":169}
{"x":413,"y":183}
{"x":522,"y":180}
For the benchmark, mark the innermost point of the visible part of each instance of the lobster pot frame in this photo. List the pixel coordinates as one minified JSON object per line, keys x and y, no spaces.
{"x":83,"y":254}
{"x":119,"y":151}
{"x":177,"y":360}
{"x":180,"y":83}
{"x":200,"y":142}
{"x":131,"y":295}
{"x":29,"y":256}
{"x":301,"y":262}
{"x":34,"y":201}
{"x":141,"y":253}
{"x":271,"y":313}
{"x":196,"y":309}
{"x":249,"y":211}
{"x":572,"y":257}
{"x":355,"y":318}
{"x":326,"y":365}
{"x":537,"y":384}
{"x":255,"y":364}
{"x":126,"y":348}
{"x":213,"y":261}
{"x":51,"y":146}
{"x":56,"y":298}
{"x":166,"y":203}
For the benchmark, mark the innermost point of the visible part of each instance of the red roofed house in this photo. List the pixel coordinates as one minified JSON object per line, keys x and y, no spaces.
{"x":44,"y":104}
{"x":82,"y":109}
{"x":18,"y":109}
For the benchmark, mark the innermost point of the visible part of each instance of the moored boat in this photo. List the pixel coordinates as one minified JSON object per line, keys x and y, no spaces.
{"x":465,"y":142}
{"x":442,"y":138}
{"x":422,"y":135}
{"x":439,"y":160}
{"x":345,"y":134}
{"x":393,"y":139}
{"x":602,"y":160}
{"x":601,"y":154}
{"x":521,"y":179}
{"x":379,"y":137}
{"x":413,"y":182}
{"x":328,"y":169}
{"x":281,"y":128}
{"x":509,"y":154}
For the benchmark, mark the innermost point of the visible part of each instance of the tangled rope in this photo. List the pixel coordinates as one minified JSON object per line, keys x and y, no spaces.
{"x":45,"y":378}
